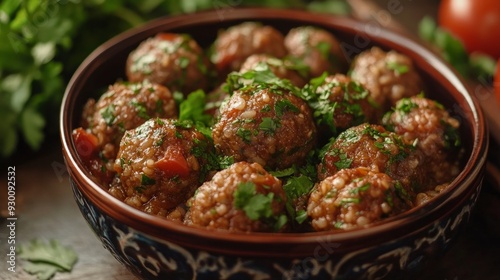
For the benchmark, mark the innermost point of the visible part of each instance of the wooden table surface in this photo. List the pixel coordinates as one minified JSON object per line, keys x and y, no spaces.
{"x":46,"y":210}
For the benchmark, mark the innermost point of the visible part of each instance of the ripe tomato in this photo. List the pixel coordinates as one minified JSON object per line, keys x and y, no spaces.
{"x":496,"y":82}
{"x":475,"y":22}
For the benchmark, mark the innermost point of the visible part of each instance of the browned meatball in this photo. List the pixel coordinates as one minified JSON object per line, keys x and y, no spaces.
{"x":160,"y":164}
{"x":426,"y":122}
{"x":316,"y":48}
{"x":338,"y":103}
{"x":174,"y":60}
{"x":125,"y":106}
{"x":372,"y":146}
{"x":283,"y":69}
{"x":235,"y":44}
{"x":354,"y":198}
{"x":266,"y":124}
{"x":243,"y":197}
{"x":389,"y":76}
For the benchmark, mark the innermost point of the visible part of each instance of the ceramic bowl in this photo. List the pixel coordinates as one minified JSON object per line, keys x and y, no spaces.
{"x":153,"y":248}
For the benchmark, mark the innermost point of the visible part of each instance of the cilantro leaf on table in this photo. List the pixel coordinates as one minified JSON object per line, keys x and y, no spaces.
{"x":44,"y":259}
{"x":42,"y":271}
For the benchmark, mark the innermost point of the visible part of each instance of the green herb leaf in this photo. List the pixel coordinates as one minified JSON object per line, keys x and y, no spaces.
{"x":42,"y":270}
{"x":142,"y":112}
{"x":45,"y":259}
{"x":193,"y":108}
{"x":255,"y":205}
{"x":269,"y":125}
{"x":397,"y":67}
{"x":108,"y":114}
{"x":145,"y":180}
{"x":32,"y":125}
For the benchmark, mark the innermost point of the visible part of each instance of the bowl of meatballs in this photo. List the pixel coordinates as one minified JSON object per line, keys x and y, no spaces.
{"x":271,"y":144}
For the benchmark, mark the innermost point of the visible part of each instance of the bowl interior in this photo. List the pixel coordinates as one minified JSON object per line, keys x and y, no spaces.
{"x":107,"y":63}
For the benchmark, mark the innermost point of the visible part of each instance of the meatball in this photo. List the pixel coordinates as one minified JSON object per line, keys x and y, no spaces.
{"x":354,"y":198}
{"x":160,"y":164}
{"x":266,"y":124}
{"x":243,"y":197}
{"x":338,"y":103}
{"x":283,"y":69}
{"x":174,"y":60}
{"x":426,"y":122}
{"x":316,"y":48}
{"x":372,"y":146}
{"x":125,"y":106}
{"x":389,"y":76}
{"x":235,"y":44}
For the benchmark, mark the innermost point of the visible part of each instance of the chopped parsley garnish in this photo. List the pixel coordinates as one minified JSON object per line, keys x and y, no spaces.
{"x":324,"y":49}
{"x":140,"y":189}
{"x":258,"y":78}
{"x":343,"y":161}
{"x":193,"y":108}
{"x":451,"y":136}
{"x":244,"y":134}
{"x":406,"y":105}
{"x":159,"y":106}
{"x":363,"y":188}
{"x":256,"y":206}
{"x":108,"y":114}
{"x":269,"y":125}
{"x":398,"y":67}
{"x":141,"y":109}
{"x":183,"y":62}
{"x":402,"y":192}
{"x":283,"y":106}
{"x":349,"y":200}
{"x":145,"y":180}
{"x":318,"y":94}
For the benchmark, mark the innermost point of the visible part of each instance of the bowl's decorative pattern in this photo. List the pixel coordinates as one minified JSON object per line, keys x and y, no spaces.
{"x":151,"y":258}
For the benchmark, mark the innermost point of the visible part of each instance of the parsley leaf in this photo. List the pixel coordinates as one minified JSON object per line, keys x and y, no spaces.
{"x":45,"y":259}
{"x":193,"y":108}
{"x":257,"y":206}
{"x":397,"y":67}
{"x":108,"y":114}
{"x":269,"y":125}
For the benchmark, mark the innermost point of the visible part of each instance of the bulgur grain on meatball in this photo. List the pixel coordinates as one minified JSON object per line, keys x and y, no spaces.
{"x":233,"y":45}
{"x":173,"y":60}
{"x":316,"y":48}
{"x":125,"y":106}
{"x":267,"y":124}
{"x":372,"y":146}
{"x":161,"y":163}
{"x":426,"y":122}
{"x":389,"y":76}
{"x":338,"y":103}
{"x":424,"y":197}
{"x":283,"y":69}
{"x":354,"y":198}
{"x":243,"y":197}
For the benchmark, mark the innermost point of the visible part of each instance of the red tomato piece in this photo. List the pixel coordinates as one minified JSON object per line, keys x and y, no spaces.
{"x":87,"y":144}
{"x":173,"y":163}
{"x":475,"y":22}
